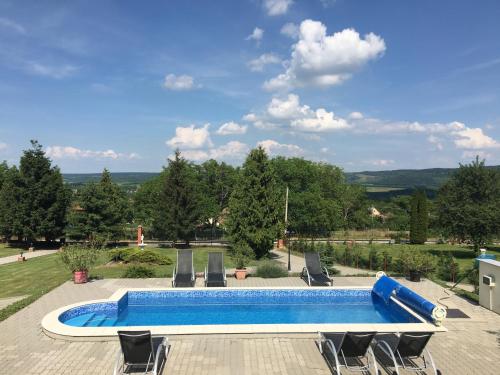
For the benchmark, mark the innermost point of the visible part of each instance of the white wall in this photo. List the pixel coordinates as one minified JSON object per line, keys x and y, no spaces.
{"x":489,"y":267}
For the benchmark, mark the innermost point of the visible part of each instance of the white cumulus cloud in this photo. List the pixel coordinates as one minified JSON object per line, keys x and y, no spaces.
{"x":190,"y":137}
{"x":233,"y":150}
{"x":273,"y":147}
{"x":277,"y":7}
{"x":435,"y":141}
{"x":289,"y":112}
{"x":356,"y":115}
{"x":319,"y":59}
{"x":231,"y":128}
{"x":288,"y":108}
{"x":178,"y":83}
{"x":257,"y":35}
{"x":474,"y":138}
{"x":258,"y":64}
{"x":290,"y":30}
{"x":322,"y":121}
{"x":69,"y":152}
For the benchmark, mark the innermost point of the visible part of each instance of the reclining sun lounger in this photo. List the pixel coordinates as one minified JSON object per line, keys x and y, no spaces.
{"x":348,"y":349}
{"x":313,"y":273}
{"x":403,"y":350}
{"x":138,"y":350}
{"x":184,"y":275}
{"x":215,"y":273}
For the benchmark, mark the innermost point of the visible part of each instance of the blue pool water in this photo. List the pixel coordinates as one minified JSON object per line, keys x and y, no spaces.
{"x":237,"y":306}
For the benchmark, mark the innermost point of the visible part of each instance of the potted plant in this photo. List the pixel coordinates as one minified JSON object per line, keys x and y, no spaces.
{"x":79,"y":260}
{"x":416,"y":263}
{"x":241,"y":255}
{"x":21,"y":257}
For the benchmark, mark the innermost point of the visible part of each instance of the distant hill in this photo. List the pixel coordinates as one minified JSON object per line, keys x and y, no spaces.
{"x":404,"y":178}
{"x":379,"y":184}
{"x":128,"y":181}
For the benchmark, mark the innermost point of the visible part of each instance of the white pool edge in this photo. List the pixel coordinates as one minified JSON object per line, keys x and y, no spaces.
{"x":54,"y":328}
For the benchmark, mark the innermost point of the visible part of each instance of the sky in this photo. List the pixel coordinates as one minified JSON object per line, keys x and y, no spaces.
{"x":365,"y":85}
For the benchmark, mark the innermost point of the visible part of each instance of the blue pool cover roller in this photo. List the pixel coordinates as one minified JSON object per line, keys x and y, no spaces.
{"x":386,"y":286}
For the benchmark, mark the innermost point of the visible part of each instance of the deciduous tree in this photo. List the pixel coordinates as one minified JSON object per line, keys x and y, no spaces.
{"x":469,"y":204}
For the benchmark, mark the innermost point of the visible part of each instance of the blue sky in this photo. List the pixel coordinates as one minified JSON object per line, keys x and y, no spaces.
{"x":366,"y":85}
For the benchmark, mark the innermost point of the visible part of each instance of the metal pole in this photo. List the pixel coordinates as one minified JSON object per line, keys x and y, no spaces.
{"x":286,"y":225}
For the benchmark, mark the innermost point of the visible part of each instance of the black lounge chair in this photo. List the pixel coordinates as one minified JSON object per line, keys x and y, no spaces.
{"x":403,"y":350}
{"x":215,"y":273}
{"x":140,"y":351}
{"x":313,"y":273}
{"x":349,"y":350}
{"x":184,"y":275}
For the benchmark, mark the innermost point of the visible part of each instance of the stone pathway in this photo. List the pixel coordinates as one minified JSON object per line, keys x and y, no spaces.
{"x":27,"y":254}
{"x":297,"y":264}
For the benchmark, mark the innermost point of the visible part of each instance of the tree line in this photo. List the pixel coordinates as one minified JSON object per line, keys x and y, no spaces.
{"x":247,"y":202}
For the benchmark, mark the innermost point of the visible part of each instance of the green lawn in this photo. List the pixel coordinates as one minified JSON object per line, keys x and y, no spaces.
{"x":200,"y":256}
{"x":6,"y":251}
{"x":44,"y":273}
{"x":31,"y":277}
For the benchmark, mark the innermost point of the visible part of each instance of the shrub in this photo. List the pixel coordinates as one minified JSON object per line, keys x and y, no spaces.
{"x":148,"y":256}
{"x":375,"y":260}
{"x":241,"y":254}
{"x":473,"y":277}
{"x":78,"y":258}
{"x":270,"y":270}
{"x":139,"y":256}
{"x":415,"y":260}
{"x":138,"y":272}
{"x":447,"y":268}
{"x":121,"y":255}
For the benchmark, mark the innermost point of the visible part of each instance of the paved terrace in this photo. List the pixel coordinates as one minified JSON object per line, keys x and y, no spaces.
{"x":472,"y":346}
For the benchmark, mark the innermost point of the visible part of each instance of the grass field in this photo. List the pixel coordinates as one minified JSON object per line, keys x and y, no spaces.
{"x":200,"y":257}
{"x":40,"y":275}
{"x":6,"y":251}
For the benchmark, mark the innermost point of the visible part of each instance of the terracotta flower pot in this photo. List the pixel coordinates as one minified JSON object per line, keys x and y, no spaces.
{"x":80,"y":277}
{"x":240,"y":274}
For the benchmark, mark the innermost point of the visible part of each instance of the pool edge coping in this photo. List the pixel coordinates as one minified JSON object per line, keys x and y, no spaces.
{"x":52,"y":327}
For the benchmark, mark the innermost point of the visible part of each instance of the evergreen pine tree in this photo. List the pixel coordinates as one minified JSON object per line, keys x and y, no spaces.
{"x":100,"y":211}
{"x":11,"y":223}
{"x":34,"y":198}
{"x":255,"y":206}
{"x":178,"y":210}
{"x":419,"y":218}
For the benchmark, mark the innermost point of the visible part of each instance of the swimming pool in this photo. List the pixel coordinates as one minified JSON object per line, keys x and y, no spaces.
{"x":244,"y":310}
{"x":260,"y":306}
